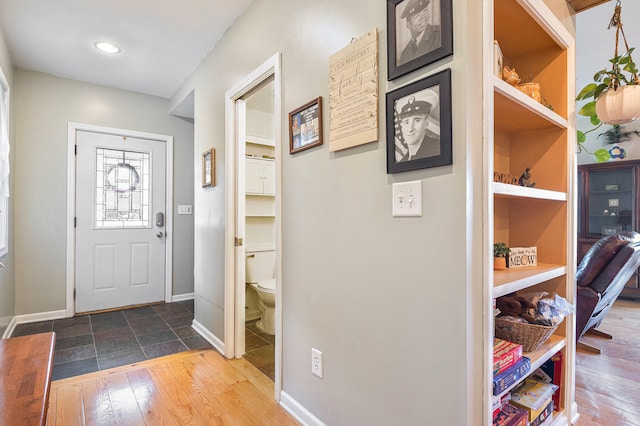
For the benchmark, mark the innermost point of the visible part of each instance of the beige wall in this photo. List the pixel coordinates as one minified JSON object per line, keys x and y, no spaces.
{"x":394,"y":304}
{"x":7,"y":287}
{"x":43,"y":108}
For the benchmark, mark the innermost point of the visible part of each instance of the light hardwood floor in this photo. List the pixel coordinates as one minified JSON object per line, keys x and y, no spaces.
{"x":190,"y":388}
{"x":201,"y":387}
{"x":608,"y":385}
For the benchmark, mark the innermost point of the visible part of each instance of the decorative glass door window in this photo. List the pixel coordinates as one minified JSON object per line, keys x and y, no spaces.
{"x":123,"y":180}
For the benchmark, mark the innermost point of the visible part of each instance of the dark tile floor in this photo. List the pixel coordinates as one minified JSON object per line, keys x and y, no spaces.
{"x":260,"y":349}
{"x":89,"y":343}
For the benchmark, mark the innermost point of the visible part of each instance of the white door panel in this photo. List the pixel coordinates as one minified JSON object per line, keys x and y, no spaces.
{"x":120,"y":250}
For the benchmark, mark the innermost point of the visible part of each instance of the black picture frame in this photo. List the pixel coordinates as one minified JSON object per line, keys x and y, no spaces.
{"x":433,"y":95}
{"x":305,"y":126}
{"x":401,"y":57}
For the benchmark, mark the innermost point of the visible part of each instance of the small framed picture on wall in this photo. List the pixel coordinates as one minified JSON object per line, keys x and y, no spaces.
{"x":419,"y":32}
{"x":419,"y":129}
{"x":305,"y":126}
{"x":209,"y":168}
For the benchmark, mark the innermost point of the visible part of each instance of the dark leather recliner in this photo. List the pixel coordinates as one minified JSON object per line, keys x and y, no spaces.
{"x":601,"y":277}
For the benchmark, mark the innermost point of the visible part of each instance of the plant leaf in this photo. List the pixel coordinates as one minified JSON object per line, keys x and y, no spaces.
{"x":630,"y":68}
{"x":598,"y":76}
{"x":625,"y":58}
{"x":587,"y":91}
{"x":602,"y":155}
{"x":581,"y":137}
{"x":594,"y":120}
{"x":588,"y":109}
{"x":601,"y":88}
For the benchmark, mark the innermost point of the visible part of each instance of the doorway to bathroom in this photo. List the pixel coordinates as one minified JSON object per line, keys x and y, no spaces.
{"x":260,"y":227}
{"x":253,"y":267}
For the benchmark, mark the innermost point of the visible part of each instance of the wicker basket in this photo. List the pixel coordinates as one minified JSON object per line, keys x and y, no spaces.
{"x":530,"y":336}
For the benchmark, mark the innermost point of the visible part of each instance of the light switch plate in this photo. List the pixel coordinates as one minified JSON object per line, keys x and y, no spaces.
{"x":614,"y":202}
{"x":184,"y":209}
{"x":407,"y":199}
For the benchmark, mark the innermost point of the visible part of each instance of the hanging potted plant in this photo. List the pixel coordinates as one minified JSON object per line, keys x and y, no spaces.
{"x":500,"y":253}
{"x":615,"y":92}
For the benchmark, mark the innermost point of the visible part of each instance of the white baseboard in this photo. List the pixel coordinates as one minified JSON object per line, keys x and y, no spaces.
{"x":10,"y":327}
{"x":29,"y":318}
{"x":298,"y":412}
{"x":209,"y":336}
{"x":182,"y":297}
{"x":41,"y":316}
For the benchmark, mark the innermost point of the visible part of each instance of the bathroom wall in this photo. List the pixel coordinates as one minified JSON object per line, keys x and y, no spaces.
{"x":7,"y":285}
{"x":43,"y":106}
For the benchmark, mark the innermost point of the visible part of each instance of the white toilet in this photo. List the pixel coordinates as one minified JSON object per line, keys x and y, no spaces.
{"x":259,"y":274}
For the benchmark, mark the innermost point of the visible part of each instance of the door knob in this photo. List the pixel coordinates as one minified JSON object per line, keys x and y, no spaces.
{"x":160,"y":234}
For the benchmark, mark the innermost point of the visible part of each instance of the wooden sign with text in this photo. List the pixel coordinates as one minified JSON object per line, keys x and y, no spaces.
{"x":520,"y":257}
{"x":353,"y":93}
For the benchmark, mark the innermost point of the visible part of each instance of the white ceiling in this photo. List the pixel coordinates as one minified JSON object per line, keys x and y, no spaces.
{"x":595,"y":43}
{"x":162,"y":41}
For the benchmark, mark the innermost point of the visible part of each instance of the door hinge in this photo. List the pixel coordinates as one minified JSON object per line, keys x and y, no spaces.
{"x":238,"y":242}
{"x":75,"y":222}
{"x":75,"y":149}
{"x":74,"y":294}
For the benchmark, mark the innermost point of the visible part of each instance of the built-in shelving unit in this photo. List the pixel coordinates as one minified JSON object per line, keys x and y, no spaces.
{"x":260,"y":191}
{"x":523,"y":133}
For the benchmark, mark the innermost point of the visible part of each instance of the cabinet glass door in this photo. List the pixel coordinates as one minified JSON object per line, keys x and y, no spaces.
{"x":610,"y":202}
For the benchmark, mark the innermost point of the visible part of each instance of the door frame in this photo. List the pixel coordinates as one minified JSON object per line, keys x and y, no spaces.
{"x":73,"y":128}
{"x":233,"y":313}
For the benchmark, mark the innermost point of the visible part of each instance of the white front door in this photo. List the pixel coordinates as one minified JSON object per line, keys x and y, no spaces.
{"x":120,"y":221}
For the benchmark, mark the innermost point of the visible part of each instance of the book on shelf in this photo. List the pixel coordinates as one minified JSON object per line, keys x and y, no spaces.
{"x":511,"y":375}
{"x":511,"y":416}
{"x":533,"y":396}
{"x":499,"y":403}
{"x":547,"y":422}
{"x":551,"y":372}
{"x":544,"y":415}
{"x":505,"y":354}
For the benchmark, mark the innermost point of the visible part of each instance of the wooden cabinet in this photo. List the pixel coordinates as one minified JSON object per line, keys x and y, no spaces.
{"x":261,"y":176}
{"x":608,"y":203}
{"x":523,"y":133}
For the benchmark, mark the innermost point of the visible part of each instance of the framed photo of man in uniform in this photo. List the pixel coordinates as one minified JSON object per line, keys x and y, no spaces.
{"x":419,"y":32}
{"x":419,"y":130}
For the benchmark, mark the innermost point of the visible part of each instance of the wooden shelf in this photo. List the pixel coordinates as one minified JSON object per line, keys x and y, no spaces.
{"x":517,"y":112}
{"x":580,"y":5}
{"x":260,"y":140}
{"x":514,"y":279}
{"x":512,"y":18}
{"x":515,"y":191}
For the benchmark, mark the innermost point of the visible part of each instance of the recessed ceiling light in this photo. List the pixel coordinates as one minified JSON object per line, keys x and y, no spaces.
{"x":107,"y":47}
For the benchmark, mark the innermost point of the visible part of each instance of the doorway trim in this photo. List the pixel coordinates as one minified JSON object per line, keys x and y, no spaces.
{"x":233,"y":312}
{"x":73,"y":128}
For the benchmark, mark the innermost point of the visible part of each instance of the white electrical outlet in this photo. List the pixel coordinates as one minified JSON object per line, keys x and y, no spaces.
{"x":316,"y":362}
{"x":614,"y":202}
{"x":184,"y":209}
